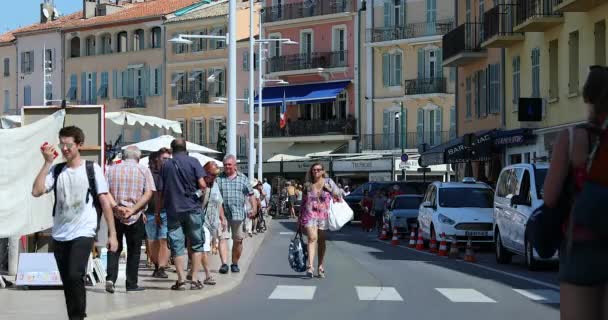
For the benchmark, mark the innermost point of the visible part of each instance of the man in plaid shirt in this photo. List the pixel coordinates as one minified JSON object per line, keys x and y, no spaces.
{"x":132,"y":186}
{"x":236,"y":190}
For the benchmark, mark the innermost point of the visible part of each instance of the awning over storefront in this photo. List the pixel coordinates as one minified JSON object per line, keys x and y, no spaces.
{"x":303,"y":151}
{"x":303,"y":93}
{"x":436,"y":155}
{"x":481,"y":150}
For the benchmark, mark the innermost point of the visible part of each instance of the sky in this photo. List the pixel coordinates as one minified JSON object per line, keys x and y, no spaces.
{"x":25,"y":12}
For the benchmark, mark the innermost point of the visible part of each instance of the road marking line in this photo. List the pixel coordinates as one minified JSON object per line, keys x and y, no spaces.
{"x":517,"y":276}
{"x":464,"y":295}
{"x":540,"y":295}
{"x":293,"y":293}
{"x":378,"y":294}
{"x":287,"y":233}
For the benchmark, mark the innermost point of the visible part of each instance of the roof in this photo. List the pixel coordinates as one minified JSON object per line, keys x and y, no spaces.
{"x":214,"y":9}
{"x":135,"y":11}
{"x":51,"y":25}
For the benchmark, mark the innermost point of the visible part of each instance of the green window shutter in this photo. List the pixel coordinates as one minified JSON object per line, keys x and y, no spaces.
{"x":439,"y":55}
{"x":94,"y":88}
{"x":420,"y":127}
{"x":398,"y":71}
{"x":385,"y":70}
{"x":420,"y":63}
{"x":404,"y":126}
{"x":160,"y":80}
{"x":387,"y":13}
{"x":83,"y":87}
{"x":438,"y":126}
{"x":385,"y":130}
{"x":114,"y":84}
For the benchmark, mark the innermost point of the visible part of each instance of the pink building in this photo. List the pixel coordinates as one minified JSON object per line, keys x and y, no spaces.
{"x":321,"y":74}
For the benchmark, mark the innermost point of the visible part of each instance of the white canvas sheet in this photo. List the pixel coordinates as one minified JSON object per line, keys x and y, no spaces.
{"x":20,"y":161}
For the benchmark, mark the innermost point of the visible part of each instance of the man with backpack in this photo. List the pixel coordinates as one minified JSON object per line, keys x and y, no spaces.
{"x":81,"y":192}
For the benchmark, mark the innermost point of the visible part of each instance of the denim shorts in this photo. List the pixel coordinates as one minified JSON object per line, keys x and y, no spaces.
{"x":186,"y":224}
{"x":153,"y":231}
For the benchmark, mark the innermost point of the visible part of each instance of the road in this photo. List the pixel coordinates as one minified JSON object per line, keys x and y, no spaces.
{"x":370,"y":279}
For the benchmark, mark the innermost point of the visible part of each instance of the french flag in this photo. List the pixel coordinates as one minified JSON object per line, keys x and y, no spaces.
{"x":283,"y":116}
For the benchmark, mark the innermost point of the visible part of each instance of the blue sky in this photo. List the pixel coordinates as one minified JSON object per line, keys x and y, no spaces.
{"x":25,"y":12}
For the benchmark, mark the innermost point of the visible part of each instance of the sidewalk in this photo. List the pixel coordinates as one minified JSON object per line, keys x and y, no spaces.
{"x":50,"y":304}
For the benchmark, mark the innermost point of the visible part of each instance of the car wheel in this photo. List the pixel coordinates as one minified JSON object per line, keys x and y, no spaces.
{"x":531,"y":262}
{"x":502,"y":255}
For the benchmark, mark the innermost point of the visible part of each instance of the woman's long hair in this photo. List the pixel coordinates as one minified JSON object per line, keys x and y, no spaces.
{"x":309,"y":178}
{"x":595,"y":92}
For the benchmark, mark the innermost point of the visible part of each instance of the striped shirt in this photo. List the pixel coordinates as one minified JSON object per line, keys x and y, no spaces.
{"x":128,"y":181}
{"x":235,"y":192}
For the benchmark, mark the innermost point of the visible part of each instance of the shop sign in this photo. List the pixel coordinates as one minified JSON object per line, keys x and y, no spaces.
{"x":363,"y":165}
{"x":302,"y":166}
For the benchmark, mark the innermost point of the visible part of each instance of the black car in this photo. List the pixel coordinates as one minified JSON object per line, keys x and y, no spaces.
{"x":354,"y":199}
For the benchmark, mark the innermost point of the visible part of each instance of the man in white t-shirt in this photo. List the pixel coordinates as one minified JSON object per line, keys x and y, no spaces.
{"x":74,"y":214}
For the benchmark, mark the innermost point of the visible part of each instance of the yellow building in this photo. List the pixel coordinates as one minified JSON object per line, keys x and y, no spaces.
{"x":548,"y":54}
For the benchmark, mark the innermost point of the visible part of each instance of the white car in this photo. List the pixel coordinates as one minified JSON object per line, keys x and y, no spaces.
{"x":519,"y":192}
{"x":459,"y":209}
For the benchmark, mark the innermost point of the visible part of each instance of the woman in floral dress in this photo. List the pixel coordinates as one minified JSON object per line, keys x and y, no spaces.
{"x":316,"y":200}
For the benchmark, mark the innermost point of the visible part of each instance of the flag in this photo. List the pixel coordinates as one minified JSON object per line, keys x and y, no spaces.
{"x":283,"y":116}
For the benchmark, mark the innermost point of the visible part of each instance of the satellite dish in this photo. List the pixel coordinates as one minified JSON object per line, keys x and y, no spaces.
{"x":45,"y":12}
{"x":57,"y":13}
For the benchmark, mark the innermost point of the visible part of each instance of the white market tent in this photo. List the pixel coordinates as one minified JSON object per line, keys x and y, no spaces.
{"x":201,"y":158}
{"x":165,"y":142}
{"x":120,"y":118}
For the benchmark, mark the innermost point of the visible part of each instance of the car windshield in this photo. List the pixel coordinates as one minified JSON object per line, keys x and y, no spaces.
{"x":466,"y":198}
{"x":541,"y":174}
{"x":407,"y":202}
{"x":359,"y":190}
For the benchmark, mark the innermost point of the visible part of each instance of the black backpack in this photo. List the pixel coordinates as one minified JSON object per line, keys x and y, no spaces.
{"x":92,"y":187}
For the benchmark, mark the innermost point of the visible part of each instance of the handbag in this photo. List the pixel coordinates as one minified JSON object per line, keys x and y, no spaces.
{"x":340,"y":214}
{"x":298,"y":253}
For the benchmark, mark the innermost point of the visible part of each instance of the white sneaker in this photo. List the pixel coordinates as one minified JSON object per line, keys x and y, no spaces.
{"x":110,"y":286}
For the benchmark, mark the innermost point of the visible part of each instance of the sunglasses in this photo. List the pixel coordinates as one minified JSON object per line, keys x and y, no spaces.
{"x":66,"y":145}
{"x":317,"y":169}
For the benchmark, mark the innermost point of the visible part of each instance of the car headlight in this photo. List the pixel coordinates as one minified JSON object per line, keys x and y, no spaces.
{"x":445,"y":220}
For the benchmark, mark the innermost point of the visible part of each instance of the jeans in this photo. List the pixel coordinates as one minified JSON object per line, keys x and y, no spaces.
{"x":135,"y":235}
{"x":72,"y":259}
{"x":186,"y":225}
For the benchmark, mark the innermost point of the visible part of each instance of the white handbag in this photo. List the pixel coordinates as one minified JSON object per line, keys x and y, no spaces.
{"x":339,"y":215}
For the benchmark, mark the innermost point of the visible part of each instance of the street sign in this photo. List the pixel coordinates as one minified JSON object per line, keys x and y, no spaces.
{"x":404,"y":158}
{"x":424,"y":170}
{"x":403,"y":165}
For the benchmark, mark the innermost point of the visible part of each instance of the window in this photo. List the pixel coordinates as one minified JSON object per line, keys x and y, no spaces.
{"x":466,"y":198}
{"x":103,"y":89}
{"x":7,"y":101}
{"x":7,"y":67}
{"x":122,"y":42}
{"x":453,"y":133}
{"x":340,"y":106}
{"x":75,"y":47}
{"x":49,"y":91}
{"x":481,"y":15}
{"x":139,"y":40}
{"x":306,"y":45}
{"x":90,"y":88}
{"x":90,"y":46}
{"x":469,"y":98}
{"x":573,"y":83}
{"x":214,"y":129}
{"x":198,"y":131}
{"x":392,"y":13}
{"x":339,"y":46}
{"x":215,"y":43}
{"x":600,"y":43}
{"x":72,"y":92}
{"x":106,"y":44}
{"x":182,"y":84}
{"x":199,"y":44}
{"x":246,"y":102}
{"x":182,"y":125}
{"x":391,"y":69}
{"x":156,"y":81}
{"x":27,"y":96}
{"x":242,"y":145}
{"x":217,"y":82}
{"x":494,"y":88}
{"x":536,"y":73}
{"x":179,"y":48}
{"x":27,"y":62}
{"x":156,"y":38}
{"x":553,"y":70}
{"x":431,"y":15}
{"x":481,"y":94}
{"x":516,"y":65}
{"x":49,"y":59}
{"x":275,"y":46}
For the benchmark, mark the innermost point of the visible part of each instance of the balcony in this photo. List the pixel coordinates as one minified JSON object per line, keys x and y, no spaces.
{"x":193,"y":97}
{"x":577,"y":5}
{"x":392,"y":141}
{"x":409,"y":31}
{"x":536,"y":16}
{"x":425,"y":86}
{"x":462,"y":45}
{"x":134,"y":102}
{"x":498,"y":27}
{"x":306,"y":9}
{"x":307,"y":61}
{"x":303,"y":128}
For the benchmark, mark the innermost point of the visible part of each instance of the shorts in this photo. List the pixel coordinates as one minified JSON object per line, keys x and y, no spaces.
{"x":153,"y":232}
{"x":321,"y":224}
{"x":235,"y":229}
{"x":291,"y":201}
{"x":587,"y":264}
{"x":207,"y":244}
{"x":186,"y":224}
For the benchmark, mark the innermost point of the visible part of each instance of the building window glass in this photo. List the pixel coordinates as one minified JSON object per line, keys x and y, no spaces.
{"x":122,"y":42}
{"x":600,"y":43}
{"x":469,"y":98}
{"x":573,"y":45}
{"x":553,"y":70}
{"x":7,"y":67}
{"x":156,"y":37}
{"x":139,"y":40}
{"x":90,"y":46}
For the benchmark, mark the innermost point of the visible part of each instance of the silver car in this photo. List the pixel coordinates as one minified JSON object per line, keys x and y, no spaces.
{"x":403,"y":212}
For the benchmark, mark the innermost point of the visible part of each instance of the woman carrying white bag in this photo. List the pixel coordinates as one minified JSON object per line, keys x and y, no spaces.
{"x":320,"y":194}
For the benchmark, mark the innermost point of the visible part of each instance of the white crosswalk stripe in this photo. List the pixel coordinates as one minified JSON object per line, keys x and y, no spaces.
{"x":378,"y":294}
{"x":540,"y":295}
{"x":464,"y":295}
{"x":293,"y":293}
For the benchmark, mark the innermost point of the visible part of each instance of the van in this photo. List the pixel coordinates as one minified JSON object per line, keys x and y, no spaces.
{"x":519,"y":192}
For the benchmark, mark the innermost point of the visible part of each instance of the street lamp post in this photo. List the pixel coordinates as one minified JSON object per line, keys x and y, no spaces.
{"x":251,"y":157}
{"x":231,"y":125}
{"x":260,"y":110}
{"x":402,"y":122}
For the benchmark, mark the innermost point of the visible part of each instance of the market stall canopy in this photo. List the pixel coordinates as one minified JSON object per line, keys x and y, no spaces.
{"x":10,"y":121}
{"x":165,"y":142}
{"x":131,"y":119}
{"x":286,"y":157}
{"x":201,"y":158}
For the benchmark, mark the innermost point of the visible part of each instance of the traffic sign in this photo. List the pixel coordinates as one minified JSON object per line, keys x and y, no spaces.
{"x":403,"y":165}
{"x":404,"y":157}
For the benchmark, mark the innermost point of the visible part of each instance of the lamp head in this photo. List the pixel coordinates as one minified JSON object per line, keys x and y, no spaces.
{"x":180,"y":40}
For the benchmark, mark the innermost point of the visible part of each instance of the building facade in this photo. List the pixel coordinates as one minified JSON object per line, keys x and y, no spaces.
{"x":8,"y":80}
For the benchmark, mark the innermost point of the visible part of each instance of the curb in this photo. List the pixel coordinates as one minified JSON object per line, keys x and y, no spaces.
{"x":228,"y":285}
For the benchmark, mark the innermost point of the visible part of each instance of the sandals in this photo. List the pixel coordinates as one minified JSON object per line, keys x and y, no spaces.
{"x":321,"y":273}
{"x":309,"y":272}
{"x":196,"y":285}
{"x":209,"y":281}
{"x":179,"y":286}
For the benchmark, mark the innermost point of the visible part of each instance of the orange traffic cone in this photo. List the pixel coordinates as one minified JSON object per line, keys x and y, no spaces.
{"x":412,"y":243}
{"x":443,"y":247}
{"x":433,"y":245}
{"x":469,"y":254}
{"x":395,"y":239}
{"x":420,"y":243}
{"x":384,"y":234}
{"x":454,"y":252}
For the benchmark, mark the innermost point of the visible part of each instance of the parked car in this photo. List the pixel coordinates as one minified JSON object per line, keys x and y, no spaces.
{"x":355,"y":197}
{"x":403,"y":212}
{"x":458,"y":209}
{"x":518,"y":193}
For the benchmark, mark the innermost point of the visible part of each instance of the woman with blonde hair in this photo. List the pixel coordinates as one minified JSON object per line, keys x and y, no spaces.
{"x":319,"y":190}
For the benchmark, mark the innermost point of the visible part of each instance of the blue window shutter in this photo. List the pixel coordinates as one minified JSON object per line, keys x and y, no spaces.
{"x":94,"y":88}
{"x":73,"y":87}
{"x":385,"y":70}
{"x":83,"y":87}
{"x":439,"y":55}
{"x":125,"y":82}
{"x":398,"y":68}
{"x":438,"y":126}
{"x":420,"y":127}
{"x":385,"y":130}
{"x":161,"y":83}
{"x":145,"y":81}
{"x":420,"y":63}
{"x":114,"y":84}
{"x":387,"y":13}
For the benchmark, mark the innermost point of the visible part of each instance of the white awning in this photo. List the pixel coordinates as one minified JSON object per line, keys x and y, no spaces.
{"x":10,"y":121}
{"x":194,"y":74}
{"x":305,"y":151}
{"x":176,"y":78}
{"x":165,"y":142}
{"x":286,"y":157}
{"x":131,"y":119}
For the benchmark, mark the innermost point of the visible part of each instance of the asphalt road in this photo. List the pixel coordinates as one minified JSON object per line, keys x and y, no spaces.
{"x":370,"y":279}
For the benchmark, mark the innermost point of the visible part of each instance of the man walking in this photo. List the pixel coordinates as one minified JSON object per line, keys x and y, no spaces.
{"x":75,"y":218}
{"x":235,"y":190}
{"x":132,"y":186}
{"x":157,"y":233}
{"x":182,"y":187}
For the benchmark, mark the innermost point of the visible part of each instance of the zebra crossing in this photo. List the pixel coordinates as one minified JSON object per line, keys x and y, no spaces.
{"x":453,"y":295}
